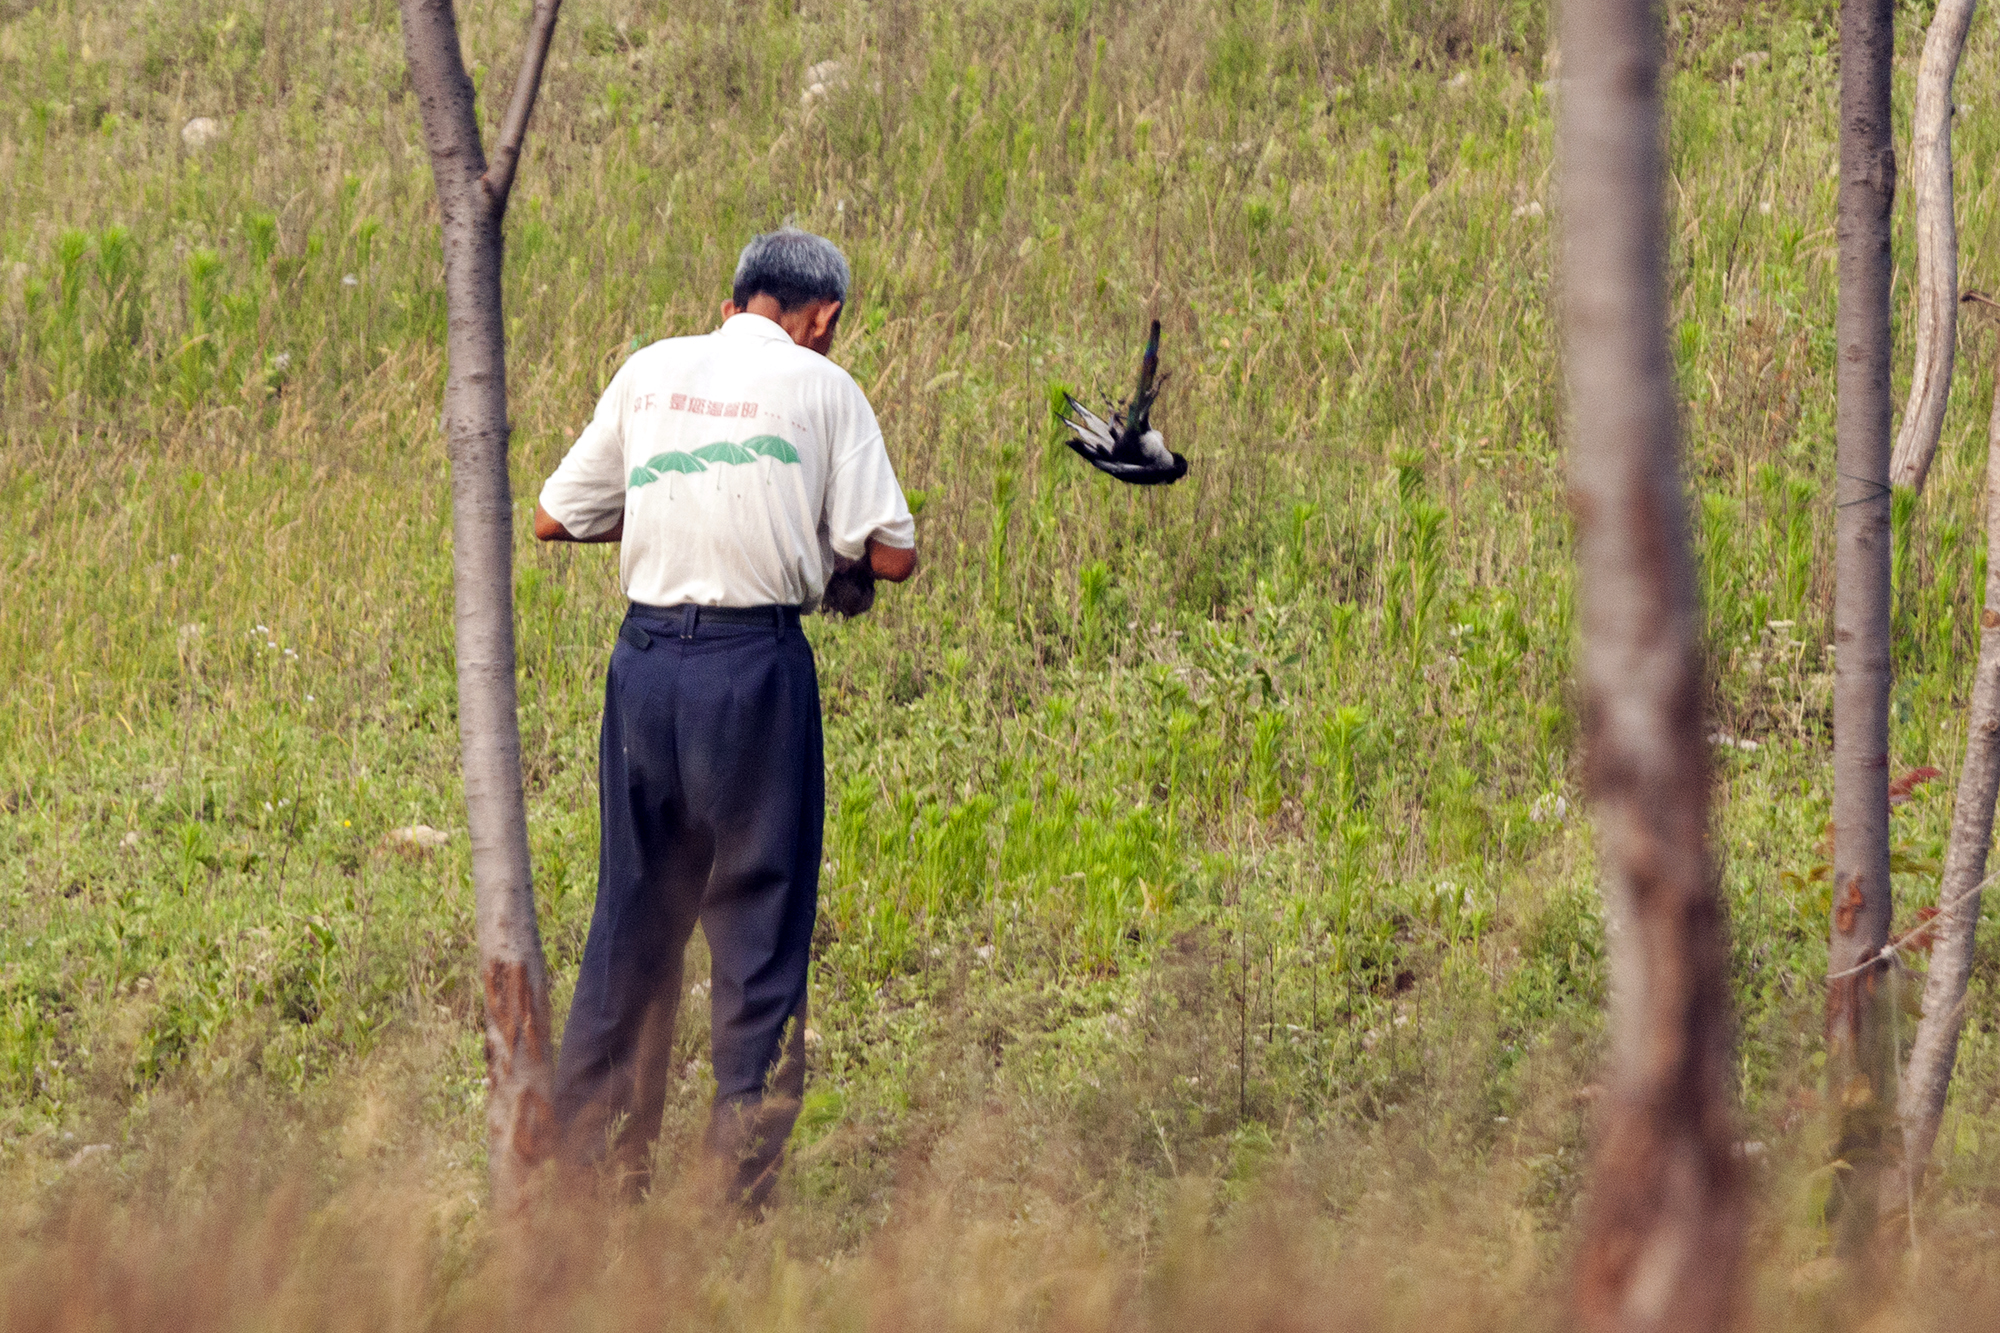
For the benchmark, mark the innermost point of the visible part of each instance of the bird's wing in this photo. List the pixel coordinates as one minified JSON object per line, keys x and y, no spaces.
{"x":1092,"y":432}
{"x":1154,"y":446}
{"x":1136,"y":474}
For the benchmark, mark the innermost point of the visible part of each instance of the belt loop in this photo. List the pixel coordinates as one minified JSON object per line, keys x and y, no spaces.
{"x":689,"y":615}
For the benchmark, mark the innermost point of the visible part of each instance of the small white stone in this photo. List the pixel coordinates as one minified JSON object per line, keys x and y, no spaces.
{"x":420,"y":835}
{"x":130,"y":840}
{"x":822,"y":81}
{"x":1531,"y":209}
{"x":87,"y":1153}
{"x":200,"y":132}
{"x":349,"y":280}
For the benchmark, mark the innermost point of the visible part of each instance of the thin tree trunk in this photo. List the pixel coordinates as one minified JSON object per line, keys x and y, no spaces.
{"x":1858,"y":1056}
{"x":473,"y":202}
{"x":1665,"y":1219}
{"x":1925,"y":1082}
{"x":1937,"y":246}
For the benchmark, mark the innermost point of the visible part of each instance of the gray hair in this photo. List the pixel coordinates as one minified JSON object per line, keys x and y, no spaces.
{"x":791,"y":266}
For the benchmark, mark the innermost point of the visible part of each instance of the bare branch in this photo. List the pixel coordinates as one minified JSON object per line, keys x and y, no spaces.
{"x":1937,"y":245}
{"x":1928,"y":1078}
{"x":499,"y":177}
{"x":444,"y":97}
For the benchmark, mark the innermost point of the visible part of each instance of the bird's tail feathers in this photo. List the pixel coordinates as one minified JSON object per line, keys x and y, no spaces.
{"x":1142,"y":406}
{"x":1149,"y":366}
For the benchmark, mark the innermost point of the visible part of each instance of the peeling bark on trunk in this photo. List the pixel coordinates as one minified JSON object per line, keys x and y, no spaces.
{"x":1858,"y":1055}
{"x":473,"y":201}
{"x":1937,"y":246}
{"x":1928,"y":1078}
{"x":1665,"y":1218}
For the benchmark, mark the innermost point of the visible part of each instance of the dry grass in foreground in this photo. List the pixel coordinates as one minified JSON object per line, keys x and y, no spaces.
{"x":323,"y":1218}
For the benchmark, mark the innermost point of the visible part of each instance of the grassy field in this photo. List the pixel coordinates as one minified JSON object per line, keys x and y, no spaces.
{"x":1208,"y":931}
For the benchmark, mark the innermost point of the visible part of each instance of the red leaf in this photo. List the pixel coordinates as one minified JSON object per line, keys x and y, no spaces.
{"x":1900,"y":789}
{"x":1920,"y":937}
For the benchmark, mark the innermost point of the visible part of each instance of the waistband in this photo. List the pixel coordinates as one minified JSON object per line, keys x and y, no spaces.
{"x":643,"y":623}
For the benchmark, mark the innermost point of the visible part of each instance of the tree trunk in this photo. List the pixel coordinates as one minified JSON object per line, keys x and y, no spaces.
{"x":1665,"y":1220}
{"x":1928,"y":1077}
{"x":473,"y":202}
{"x":1937,"y":246}
{"x":1858,"y":1056}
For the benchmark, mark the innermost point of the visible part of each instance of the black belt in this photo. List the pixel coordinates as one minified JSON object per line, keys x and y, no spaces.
{"x":689,"y":617}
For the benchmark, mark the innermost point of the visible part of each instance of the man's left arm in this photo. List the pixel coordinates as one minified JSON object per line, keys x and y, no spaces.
{"x":584,"y":500}
{"x":548,"y":529}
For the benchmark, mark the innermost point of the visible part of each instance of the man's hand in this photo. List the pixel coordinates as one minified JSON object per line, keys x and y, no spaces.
{"x":850,"y":589}
{"x":548,"y":530}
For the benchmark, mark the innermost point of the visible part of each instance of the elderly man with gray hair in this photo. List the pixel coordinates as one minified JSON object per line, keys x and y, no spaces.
{"x":741,"y":470}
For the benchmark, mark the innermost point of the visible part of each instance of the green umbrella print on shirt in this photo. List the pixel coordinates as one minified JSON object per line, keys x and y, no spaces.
{"x":722,"y":451}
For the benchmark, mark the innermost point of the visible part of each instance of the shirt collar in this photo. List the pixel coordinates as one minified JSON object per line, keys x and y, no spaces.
{"x":747,"y":325}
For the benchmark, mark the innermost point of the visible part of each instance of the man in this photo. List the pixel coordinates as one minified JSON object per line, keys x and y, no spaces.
{"x":739,"y":469}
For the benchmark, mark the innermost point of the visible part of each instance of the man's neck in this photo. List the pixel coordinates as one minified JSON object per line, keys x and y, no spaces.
{"x":811,"y":325}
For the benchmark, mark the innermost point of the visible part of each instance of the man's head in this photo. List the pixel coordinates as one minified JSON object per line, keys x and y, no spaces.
{"x":796,"y":279}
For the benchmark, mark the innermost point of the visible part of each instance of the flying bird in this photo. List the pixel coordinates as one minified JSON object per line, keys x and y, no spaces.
{"x":1127,"y":447}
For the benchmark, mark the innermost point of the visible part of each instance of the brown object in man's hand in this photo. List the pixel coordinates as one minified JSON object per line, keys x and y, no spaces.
{"x":850,"y":590}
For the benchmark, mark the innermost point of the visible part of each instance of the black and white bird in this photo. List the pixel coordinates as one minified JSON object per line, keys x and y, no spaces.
{"x":1127,"y":447}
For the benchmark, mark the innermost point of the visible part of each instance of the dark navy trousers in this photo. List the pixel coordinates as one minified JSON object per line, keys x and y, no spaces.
{"x":712,"y":798}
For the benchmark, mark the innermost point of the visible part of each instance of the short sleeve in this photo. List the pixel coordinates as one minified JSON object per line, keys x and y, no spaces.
{"x":586,"y":493}
{"x":863,"y":497}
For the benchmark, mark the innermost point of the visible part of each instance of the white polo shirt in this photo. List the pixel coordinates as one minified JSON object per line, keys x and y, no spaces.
{"x":741,"y":462}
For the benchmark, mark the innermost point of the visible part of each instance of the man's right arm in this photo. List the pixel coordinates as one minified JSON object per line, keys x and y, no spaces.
{"x":864,"y":502}
{"x":891,"y":563}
